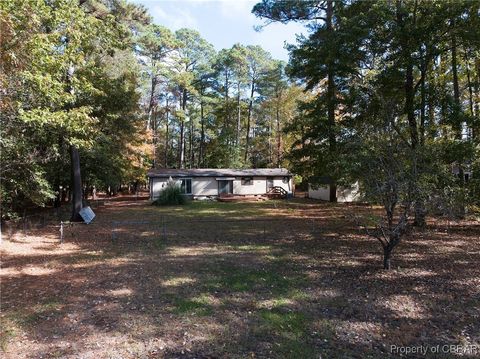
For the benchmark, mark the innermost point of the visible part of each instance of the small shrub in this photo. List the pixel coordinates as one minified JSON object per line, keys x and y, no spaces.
{"x":171,"y":194}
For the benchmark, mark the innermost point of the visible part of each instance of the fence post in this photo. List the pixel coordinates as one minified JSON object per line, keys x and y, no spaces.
{"x":61,"y":231}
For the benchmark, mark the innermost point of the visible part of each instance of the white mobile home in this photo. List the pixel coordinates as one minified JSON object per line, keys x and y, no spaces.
{"x":208,"y":182}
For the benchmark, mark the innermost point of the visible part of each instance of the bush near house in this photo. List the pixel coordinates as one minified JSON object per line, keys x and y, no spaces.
{"x":171,"y":195}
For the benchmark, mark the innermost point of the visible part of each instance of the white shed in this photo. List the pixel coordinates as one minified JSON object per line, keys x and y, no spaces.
{"x":344,"y":194}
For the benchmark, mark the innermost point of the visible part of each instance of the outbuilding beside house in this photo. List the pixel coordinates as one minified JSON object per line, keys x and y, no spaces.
{"x":344,"y":194}
{"x":209,"y":182}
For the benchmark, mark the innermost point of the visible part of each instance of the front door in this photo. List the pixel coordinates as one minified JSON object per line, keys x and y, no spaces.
{"x":269,"y":183}
{"x":225,"y":187}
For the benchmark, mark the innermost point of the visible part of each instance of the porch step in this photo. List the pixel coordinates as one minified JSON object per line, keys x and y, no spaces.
{"x":276,"y":192}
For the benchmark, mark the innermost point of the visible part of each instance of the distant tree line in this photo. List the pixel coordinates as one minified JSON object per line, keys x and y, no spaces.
{"x":209,"y":109}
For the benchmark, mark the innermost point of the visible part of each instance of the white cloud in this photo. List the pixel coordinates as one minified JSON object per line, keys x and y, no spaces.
{"x":238,"y":9}
{"x":173,"y":17}
{"x":273,"y":37}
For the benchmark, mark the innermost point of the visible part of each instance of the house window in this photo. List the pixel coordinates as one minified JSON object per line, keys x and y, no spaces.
{"x":247,"y":181}
{"x":186,"y":185}
{"x":225,"y":187}
{"x":286,"y":179}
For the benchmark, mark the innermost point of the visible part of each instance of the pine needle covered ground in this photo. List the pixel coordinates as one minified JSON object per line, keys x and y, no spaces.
{"x":218,"y":280}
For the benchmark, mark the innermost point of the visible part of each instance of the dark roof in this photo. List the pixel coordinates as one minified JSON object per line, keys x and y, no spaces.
{"x":218,"y":172}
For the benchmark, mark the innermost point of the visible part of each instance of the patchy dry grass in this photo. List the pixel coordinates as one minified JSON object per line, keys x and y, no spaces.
{"x":233,"y":280}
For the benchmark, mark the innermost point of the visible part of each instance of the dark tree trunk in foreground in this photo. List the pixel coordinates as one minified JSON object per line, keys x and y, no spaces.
{"x":77,"y":197}
{"x":387,"y":255}
{"x":409,"y":106}
{"x":332,"y":140}
{"x":458,"y":121}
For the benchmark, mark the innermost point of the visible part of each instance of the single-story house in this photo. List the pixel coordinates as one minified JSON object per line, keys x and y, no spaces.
{"x":206,"y":182}
{"x":344,"y":194}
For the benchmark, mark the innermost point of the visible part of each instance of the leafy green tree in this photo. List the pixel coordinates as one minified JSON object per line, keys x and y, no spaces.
{"x":60,"y":67}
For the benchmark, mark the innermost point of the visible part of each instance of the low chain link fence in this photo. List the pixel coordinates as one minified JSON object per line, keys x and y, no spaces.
{"x":55,"y":218}
{"x":166,"y":227}
{"x":161,"y":228}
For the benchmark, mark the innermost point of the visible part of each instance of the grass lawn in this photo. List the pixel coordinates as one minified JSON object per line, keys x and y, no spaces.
{"x":271,"y":279}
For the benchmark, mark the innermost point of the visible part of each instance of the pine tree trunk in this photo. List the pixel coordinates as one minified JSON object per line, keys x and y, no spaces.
{"x":409,"y":103}
{"x":249,"y":119}
{"x":476,"y":127}
{"x":77,"y":197}
{"x":456,"y":88}
{"x":239,"y":114}
{"x":227,"y":107}
{"x":469,"y":85}
{"x":181,"y":141}
{"x":151,"y":103}
{"x":409,"y":106}
{"x":270,"y":140}
{"x":190,"y":149}
{"x":154,"y":140}
{"x":423,"y":105}
{"x":167,"y":119}
{"x":431,"y":107}
{"x":202,"y":137}
{"x":279,"y":136}
{"x":458,"y":123}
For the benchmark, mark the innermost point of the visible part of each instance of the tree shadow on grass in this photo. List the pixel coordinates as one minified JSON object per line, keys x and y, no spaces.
{"x":302,"y":292}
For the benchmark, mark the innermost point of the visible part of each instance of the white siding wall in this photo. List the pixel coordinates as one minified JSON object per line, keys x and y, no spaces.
{"x":344,"y":194}
{"x":208,"y":186}
{"x":259,"y":186}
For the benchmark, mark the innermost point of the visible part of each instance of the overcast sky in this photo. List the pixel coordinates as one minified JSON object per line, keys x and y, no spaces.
{"x":223,"y":23}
